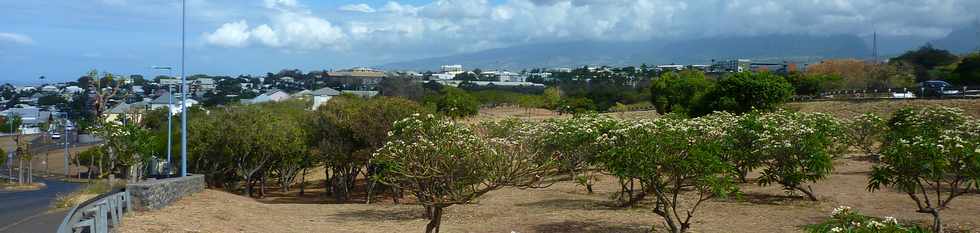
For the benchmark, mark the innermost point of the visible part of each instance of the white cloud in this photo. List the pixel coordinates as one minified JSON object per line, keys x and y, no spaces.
{"x":363,"y":8}
{"x":466,"y":25}
{"x":233,"y":34}
{"x":291,"y":27}
{"x":16,"y":38}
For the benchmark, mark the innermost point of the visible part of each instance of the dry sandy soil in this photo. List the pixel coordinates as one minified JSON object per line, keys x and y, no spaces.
{"x":563,"y":207}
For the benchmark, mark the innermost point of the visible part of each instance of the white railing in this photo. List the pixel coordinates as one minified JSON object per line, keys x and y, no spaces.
{"x":97,"y":215}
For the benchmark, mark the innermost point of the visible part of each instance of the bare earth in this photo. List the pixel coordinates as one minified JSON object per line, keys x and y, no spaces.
{"x":563,"y":207}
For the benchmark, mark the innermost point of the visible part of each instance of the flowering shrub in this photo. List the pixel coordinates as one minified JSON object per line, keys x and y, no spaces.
{"x":798,"y":148}
{"x":930,"y":150}
{"x":669,"y":156}
{"x":444,"y":163}
{"x":866,"y":132}
{"x":574,"y":141}
{"x":845,"y":220}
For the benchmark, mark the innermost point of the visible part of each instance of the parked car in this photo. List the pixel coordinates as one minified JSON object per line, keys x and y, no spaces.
{"x":936,"y":88}
{"x":56,"y":136}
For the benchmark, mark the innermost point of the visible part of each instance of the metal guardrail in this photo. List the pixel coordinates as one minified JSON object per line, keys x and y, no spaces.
{"x":961,"y":92}
{"x":97,"y":215}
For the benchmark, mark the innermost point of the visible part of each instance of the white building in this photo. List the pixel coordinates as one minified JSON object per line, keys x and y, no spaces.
{"x":452,"y":69}
{"x":273,"y":95}
{"x":322,"y":95}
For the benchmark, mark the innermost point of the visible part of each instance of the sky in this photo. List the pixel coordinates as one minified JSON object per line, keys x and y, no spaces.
{"x":64,"y":39}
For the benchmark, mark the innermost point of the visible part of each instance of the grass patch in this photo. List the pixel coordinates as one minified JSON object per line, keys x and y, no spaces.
{"x":88,"y":191}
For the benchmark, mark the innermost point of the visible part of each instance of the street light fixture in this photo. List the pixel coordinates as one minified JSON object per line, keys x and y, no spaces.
{"x":169,"y":119}
{"x":183,"y":88}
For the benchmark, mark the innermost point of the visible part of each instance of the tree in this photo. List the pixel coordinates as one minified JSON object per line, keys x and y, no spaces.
{"x":346,"y":130}
{"x":679,"y":92}
{"x":798,"y":149}
{"x":866,"y":132}
{"x":445,"y":163}
{"x":968,"y":71}
{"x":551,"y":96}
{"x":573,"y":141}
{"x":672,"y":156}
{"x":925,"y":59}
{"x":50,"y":100}
{"x":455,"y":102}
{"x":744,"y":92}
{"x":930,"y":150}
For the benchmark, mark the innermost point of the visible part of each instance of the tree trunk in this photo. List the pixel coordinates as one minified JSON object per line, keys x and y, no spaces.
{"x":937,"y":224}
{"x":248,"y":187}
{"x":302,"y":183}
{"x":808,"y":191}
{"x":433,"y":226}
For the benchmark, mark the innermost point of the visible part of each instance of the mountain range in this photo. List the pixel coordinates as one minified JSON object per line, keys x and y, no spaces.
{"x":771,"y":48}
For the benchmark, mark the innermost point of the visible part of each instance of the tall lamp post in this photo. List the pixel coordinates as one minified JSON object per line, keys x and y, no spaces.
{"x":183,"y":90}
{"x":170,"y":117}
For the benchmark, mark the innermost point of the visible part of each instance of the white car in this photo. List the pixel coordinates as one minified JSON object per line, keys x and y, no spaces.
{"x":56,"y":136}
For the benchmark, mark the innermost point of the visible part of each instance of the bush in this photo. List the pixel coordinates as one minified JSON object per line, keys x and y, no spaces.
{"x":669,"y":156}
{"x":843,"y":219}
{"x":926,"y":150}
{"x":444,"y":163}
{"x":798,"y":148}
{"x":455,"y":102}
{"x":744,"y":92}
{"x":866,"y":132}
{"x":679,"y":92}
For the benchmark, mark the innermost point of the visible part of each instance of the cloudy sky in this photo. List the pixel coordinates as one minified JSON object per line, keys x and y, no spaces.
{"x":62,"y":39}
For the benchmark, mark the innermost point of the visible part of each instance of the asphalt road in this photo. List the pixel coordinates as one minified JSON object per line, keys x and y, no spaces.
{"x":28,"y":211}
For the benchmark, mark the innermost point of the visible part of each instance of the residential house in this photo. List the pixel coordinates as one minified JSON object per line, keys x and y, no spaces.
{"x":322,"y":95}
{"x":31,"y":118}
{"x":273,"y":95}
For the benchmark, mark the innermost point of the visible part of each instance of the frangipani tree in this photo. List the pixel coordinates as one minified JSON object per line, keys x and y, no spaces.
{"x":444,"y":163}
{"x":672,"y":157}
{"x":931,"y":154}
{"x":573,"y":140}
{"x":798,"y":148}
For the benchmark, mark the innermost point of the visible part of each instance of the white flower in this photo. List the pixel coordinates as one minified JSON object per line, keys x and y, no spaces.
{"x":840,"y":210}
{"x":836,"y":229}
{"x":891,"y":220}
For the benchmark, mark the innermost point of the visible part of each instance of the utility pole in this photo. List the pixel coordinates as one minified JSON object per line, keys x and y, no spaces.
{"x":65,"y":138}
{"x":183,"y":88}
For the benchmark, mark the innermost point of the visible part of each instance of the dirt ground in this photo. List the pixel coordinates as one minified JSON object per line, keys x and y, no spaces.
{"x":883,"y":108}
{"x":563,"y":207}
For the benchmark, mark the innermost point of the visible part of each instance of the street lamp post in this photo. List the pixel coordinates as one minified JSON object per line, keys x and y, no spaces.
{"x":67,"y":175}
{"x":183,"y":88}
{"x":170,"y":92}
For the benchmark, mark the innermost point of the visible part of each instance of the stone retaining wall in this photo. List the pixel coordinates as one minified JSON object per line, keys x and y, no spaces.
{"x":156,"y":194}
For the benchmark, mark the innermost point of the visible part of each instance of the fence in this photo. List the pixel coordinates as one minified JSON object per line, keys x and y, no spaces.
{"x":97,"y":215}
{"x":962,"y":92}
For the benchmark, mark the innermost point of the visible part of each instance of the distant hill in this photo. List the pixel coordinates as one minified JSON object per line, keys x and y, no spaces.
{"x":961,"y":40}
{"x":579,"y":53}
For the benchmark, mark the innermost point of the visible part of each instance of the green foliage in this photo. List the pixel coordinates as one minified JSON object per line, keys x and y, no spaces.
{"x":671,"y":155}
{"x":845,"y":220}
{"x":967,"y":72}
{"x":49,"y":100}
{"x":347,"y":130}
{"x":10,"y":127}
{"x":814,"y":84}
{"x":930,"y":150}
{"x":573,"y":140}
{"x":925,"y":59}
{"x":444,"y":163}
{"x":744,"y":92}
{"x":798,"y":149}
{"x":677,"y":92}
{"x":575,"y":105}
{"x":551,"y":97}
{"x":867,"y":132}
{"x":455,"y":102}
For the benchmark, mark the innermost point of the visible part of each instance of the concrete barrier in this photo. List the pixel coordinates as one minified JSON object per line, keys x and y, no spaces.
{"x":156,"y":194}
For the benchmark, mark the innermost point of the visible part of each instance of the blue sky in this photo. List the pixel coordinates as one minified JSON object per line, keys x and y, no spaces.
{"x":63,"y":39}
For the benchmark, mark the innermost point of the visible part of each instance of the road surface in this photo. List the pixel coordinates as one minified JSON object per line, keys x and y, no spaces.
{"x":28,"y":211}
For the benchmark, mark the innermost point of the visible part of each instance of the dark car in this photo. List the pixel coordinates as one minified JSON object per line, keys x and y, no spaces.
{"x":936,"y":88}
